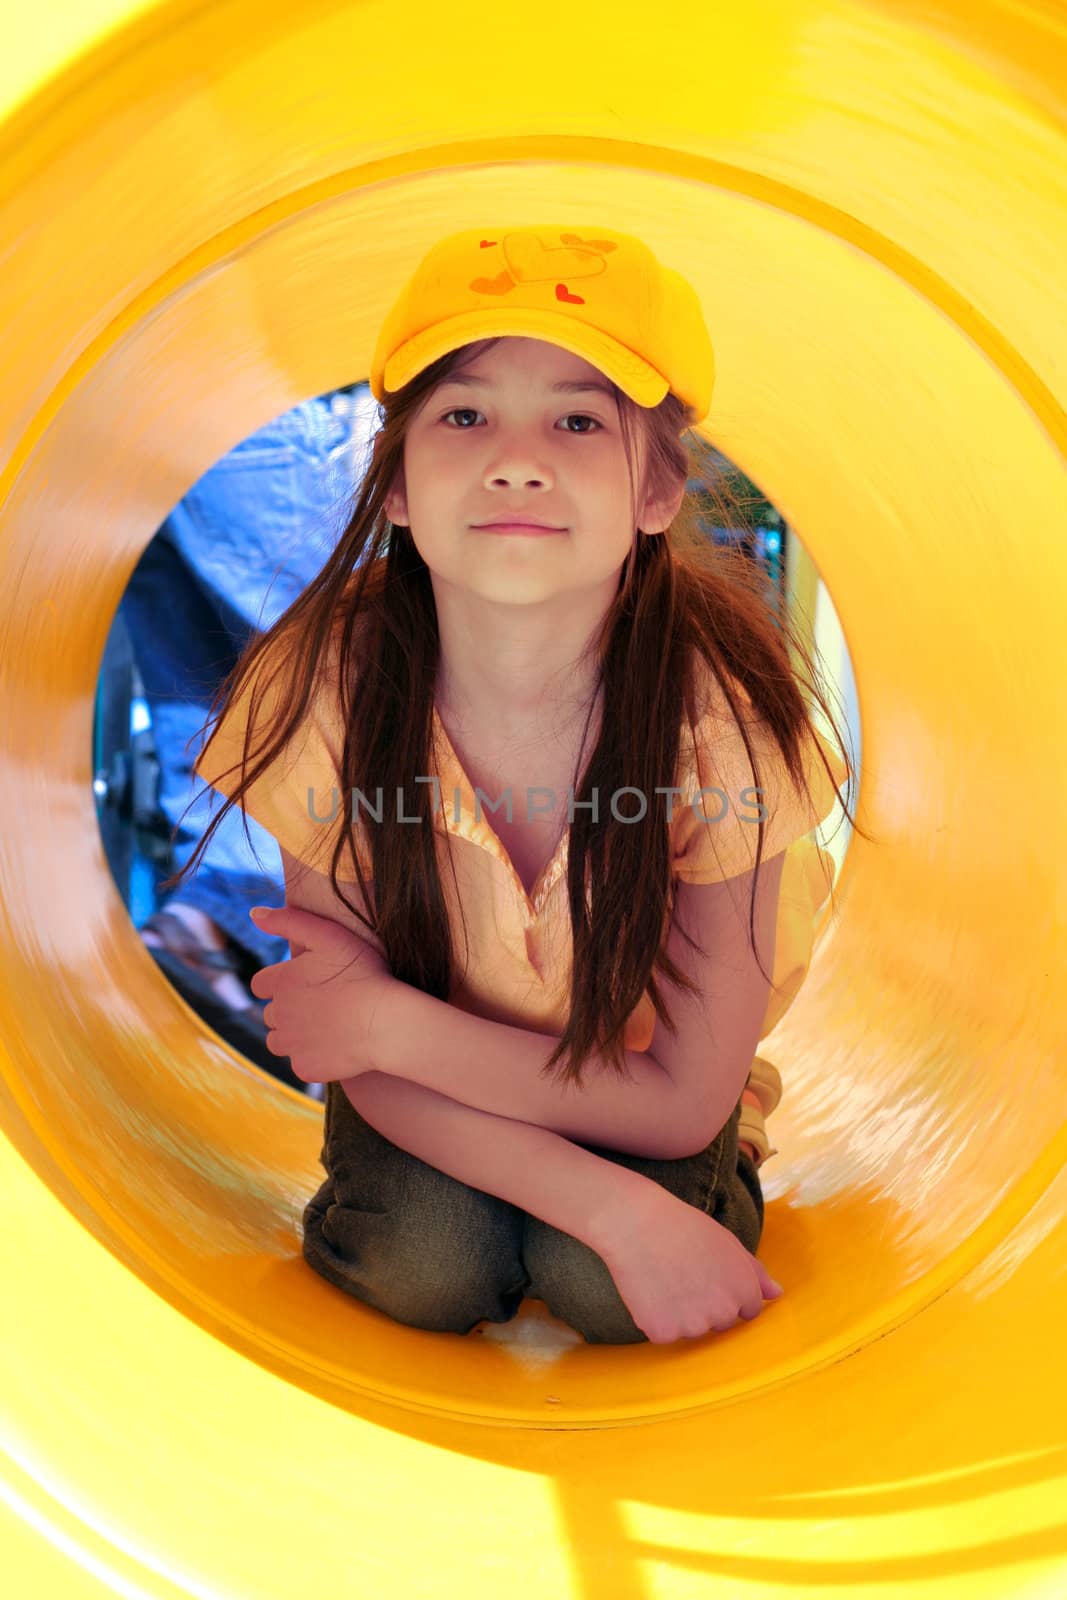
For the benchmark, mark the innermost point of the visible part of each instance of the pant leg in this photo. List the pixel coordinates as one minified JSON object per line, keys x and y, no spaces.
{"x":407,"y":1239}
{"x":574,"y":1281}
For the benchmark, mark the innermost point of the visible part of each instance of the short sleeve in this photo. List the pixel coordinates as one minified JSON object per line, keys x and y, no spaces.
{"x":714,"y":833}
{"x":298,"y":798}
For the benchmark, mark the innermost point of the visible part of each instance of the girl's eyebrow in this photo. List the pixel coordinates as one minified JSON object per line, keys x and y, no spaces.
{"x":567,"y":386}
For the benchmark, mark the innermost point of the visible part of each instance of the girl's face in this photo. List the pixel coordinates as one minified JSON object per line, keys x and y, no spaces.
{"x":504,"y":437}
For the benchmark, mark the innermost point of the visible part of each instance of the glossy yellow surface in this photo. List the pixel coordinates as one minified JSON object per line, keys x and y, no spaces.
{"x":205,"y":212}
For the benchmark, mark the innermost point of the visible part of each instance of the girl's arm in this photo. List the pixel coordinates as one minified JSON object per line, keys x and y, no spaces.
{"x":569,"y":1188}
{"x":676,"y":1097}
{"x":497,"y":1069}
{"x":673,"y":1100}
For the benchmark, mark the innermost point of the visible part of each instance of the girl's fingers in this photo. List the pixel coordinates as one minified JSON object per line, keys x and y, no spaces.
{"x":771,"y":1288}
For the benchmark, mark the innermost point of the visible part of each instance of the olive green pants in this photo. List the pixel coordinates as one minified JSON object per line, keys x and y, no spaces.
{"x":434,"y":1253}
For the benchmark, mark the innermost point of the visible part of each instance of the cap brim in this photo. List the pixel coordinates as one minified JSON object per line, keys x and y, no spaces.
{"x":633,"y":375}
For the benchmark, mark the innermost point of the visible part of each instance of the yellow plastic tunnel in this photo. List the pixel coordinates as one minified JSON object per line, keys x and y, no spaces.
{"x":205,"y":211}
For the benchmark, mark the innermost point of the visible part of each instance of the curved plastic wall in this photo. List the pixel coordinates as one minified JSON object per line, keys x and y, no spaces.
{"x":206,"y":210}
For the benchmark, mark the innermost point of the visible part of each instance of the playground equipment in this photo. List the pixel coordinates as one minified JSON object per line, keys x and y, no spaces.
{"x":204,"y":213}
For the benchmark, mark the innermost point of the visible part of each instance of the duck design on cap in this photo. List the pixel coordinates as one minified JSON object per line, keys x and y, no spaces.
{"x":530,"y":261}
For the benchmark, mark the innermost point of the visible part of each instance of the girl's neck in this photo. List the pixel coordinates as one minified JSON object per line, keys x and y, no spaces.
{"x":547,"y":721}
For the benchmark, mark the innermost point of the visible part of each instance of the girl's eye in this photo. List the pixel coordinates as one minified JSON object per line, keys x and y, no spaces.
{"x":469,"y":411}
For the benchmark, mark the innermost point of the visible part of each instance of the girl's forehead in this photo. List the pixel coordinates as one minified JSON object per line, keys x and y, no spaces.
{"x":523,"y":354}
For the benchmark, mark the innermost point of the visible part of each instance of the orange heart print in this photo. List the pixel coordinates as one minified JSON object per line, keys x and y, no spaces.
{"x":530,"y":261}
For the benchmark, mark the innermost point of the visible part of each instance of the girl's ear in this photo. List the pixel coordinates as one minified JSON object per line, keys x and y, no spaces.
{"x":396,"y":503}
{"x":658,"y":514}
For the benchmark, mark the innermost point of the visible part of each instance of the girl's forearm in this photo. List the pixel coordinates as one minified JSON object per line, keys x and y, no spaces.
{"x":569,"y":1188}
{"x":494,"y":1067}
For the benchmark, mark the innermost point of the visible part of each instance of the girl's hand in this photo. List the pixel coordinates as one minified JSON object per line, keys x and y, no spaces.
{"x":680,"y":1273}
{"x":324,"y":1001}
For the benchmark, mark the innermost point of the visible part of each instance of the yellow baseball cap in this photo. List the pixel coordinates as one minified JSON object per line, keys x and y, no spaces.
{"x":598,"y":293}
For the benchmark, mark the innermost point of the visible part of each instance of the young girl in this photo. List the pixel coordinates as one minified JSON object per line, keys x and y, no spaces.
{"x":523,"y":618}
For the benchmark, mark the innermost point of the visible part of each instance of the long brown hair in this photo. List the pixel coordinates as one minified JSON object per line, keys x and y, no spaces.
{"x":680,"y":595}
